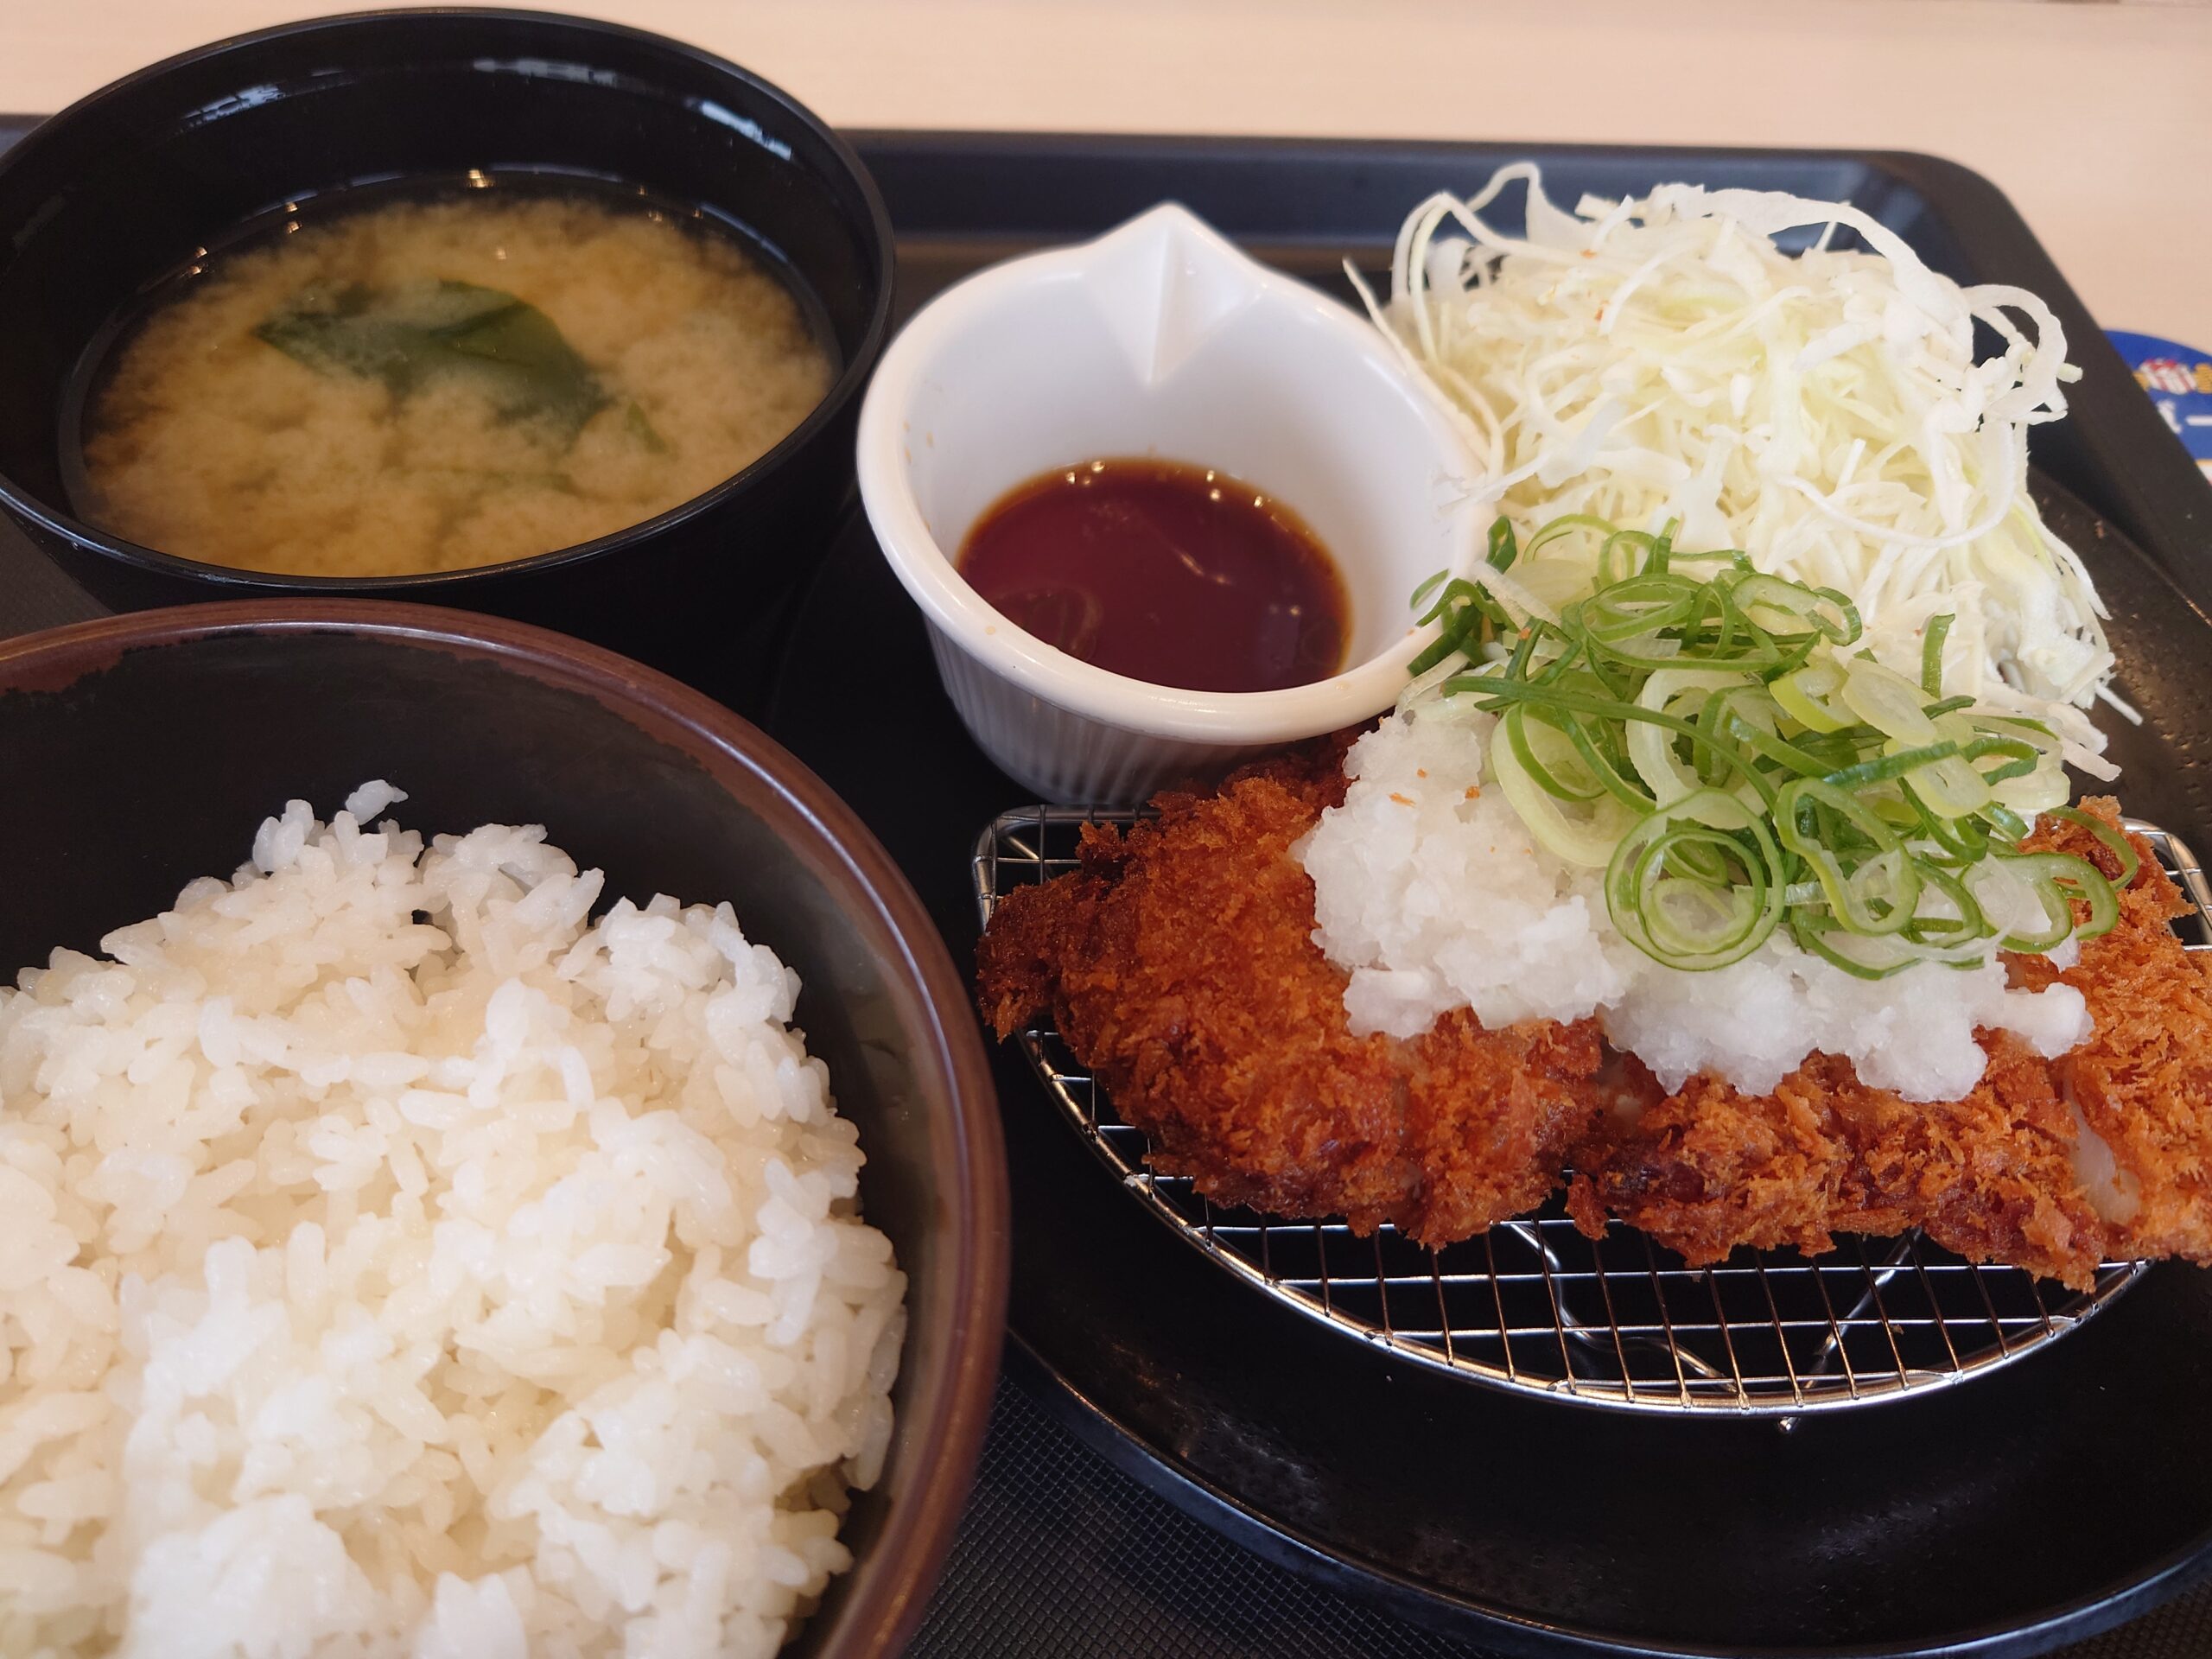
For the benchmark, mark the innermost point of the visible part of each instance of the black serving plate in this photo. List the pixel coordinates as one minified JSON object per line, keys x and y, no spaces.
{"x":2034,"y":1507}
{"x":2026,"y":1509}
{"x":2006,"y":1515}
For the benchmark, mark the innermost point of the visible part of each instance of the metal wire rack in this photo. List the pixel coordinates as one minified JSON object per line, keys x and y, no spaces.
{"x":1618,"y":1321}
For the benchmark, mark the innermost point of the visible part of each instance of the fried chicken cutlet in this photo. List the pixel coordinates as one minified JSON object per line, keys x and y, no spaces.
{"x":2105,"y":1153}
{"x":1180,"y":964}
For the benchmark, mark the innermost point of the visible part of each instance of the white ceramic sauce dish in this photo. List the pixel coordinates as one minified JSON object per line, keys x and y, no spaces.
{"x":1158,"y":339}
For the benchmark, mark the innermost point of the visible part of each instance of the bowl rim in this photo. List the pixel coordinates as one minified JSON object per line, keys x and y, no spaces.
{"x":969,"y":624}
{"x":859,"y":366}
{"x":887,"y":1605}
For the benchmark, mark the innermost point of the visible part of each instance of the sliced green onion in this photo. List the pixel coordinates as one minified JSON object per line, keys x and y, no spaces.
{"x":1866,"y":958}
{"x":1705,"y":910}
{"x":1588,"y":836}
{"x":1565,"y":524}
{"x":1550,"y":758}
{"x":1946,"y":786}
{"x":1808,"y":696}
{"x":1931,"y":654}
{"x":1887,"y":700}
{"x":1503,"y":551}
{"x":2007,"y":824}
{"x":1970,"y":926}
{"x":2025,"y":756}
{"x":1802,"y":604}
{"x":1705,"y":735}
{"x":1879,"y":892}
{"x":1767,"y":746}
{"x":1892,"y":766}
{"x":1605,"y":766}
{"x":2056,"y":878}
{"x":2117,"y":844}
{"x":1501,"y":692}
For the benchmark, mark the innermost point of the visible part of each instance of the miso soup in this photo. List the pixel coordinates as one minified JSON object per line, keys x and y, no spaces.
{"x":436,"y":384}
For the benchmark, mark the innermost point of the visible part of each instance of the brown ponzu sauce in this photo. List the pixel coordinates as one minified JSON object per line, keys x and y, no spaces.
{"x":1177,"y":574}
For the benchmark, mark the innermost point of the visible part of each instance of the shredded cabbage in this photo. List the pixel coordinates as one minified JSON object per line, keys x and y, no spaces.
{"x":1660,"y":360}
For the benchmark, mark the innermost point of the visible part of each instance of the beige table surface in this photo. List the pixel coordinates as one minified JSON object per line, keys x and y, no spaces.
{"x":2096,"y":119}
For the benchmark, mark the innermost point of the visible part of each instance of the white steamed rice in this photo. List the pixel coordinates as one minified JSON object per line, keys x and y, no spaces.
{"x":394,"y":1260}
{"x":1432,"y":895}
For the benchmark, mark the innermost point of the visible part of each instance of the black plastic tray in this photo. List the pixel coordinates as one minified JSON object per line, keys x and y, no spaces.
{"x":2038,"y":1506}
{"x":2027,"y":1509}
{"x":959,"y":200}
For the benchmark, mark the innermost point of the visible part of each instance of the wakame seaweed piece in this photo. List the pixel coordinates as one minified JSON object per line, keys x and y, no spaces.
{"x":408,"y":336}
{"x":539,"y":372}
{"x":387,"y":337}
{"x":635,"y":423}
{"x":333,"y":331}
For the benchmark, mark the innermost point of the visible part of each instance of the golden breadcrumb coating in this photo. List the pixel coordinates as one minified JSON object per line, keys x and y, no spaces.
{"x":1179,"y":965}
